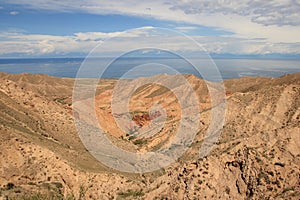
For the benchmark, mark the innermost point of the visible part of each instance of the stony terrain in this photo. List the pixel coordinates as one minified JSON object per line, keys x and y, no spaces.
{"x":257,"y":155}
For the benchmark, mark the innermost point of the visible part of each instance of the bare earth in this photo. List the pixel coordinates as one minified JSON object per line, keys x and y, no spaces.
{"x":257,"y":155}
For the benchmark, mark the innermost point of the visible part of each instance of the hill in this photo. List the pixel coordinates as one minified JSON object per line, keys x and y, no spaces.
{"x":256,"y":156}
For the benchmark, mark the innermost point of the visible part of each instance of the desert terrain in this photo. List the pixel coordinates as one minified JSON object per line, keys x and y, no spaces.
{"x":257,"y":155}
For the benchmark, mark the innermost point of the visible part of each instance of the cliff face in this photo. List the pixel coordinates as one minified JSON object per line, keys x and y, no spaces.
{"x":256,"y":156}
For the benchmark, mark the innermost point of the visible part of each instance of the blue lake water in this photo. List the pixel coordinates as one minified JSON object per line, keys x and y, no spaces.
{"x":229,"y":68}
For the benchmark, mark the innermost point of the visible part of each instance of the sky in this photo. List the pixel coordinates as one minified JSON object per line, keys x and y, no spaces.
{"x":72,"y":28}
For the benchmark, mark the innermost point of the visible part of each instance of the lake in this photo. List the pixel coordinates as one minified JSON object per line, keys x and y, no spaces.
{"x":229,"y":68}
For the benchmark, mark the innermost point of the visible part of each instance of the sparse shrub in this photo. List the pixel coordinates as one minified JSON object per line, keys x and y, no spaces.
{"x":288,"y":189}
{"x":58,"y":185}
{"x":10,"y":186}
{"x":258,"y":159}
{"x":132,"y":137}
{"x":227,"y":190}
{"x":280,"y":164}
{"x":139,"y":142}
{"x":70,"y":197}
{"x":128,"y":193}
{"x":82,"y":192}
{"x":176,"y":188}
{"x":41,"y":196}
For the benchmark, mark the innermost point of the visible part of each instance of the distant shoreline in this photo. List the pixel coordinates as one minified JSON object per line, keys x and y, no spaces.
{"x":229,"y":68}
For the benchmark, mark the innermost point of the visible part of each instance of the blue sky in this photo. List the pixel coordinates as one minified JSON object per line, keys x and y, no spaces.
{"x":70,"y":23}
{"x":44,"y":28}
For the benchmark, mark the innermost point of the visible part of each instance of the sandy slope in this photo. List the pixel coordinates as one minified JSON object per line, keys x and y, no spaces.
{"x":257,"y":155}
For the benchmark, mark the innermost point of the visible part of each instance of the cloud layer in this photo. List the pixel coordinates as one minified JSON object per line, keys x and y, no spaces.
{"x":35,"y":45}
{"x":265,"y":12}
{"x":258,"y":26}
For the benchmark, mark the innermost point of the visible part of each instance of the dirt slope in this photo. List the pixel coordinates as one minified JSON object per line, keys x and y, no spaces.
{"x":256,"y":157}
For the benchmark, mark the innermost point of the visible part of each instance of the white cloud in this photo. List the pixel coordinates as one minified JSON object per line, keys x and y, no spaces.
{"x":14,"y":13}
{"x":36,"y":44}
{"x":246,"y":46}
{"x":258,"y":26}
{"x":96,"y":36}
{"x":32,"y":44}
{"x":186,"y":28}
{"x":280,"y":12}
{"x":276,"y":21}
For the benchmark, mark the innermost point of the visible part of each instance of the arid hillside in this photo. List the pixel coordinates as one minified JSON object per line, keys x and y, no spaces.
{"x":257,"y":155}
